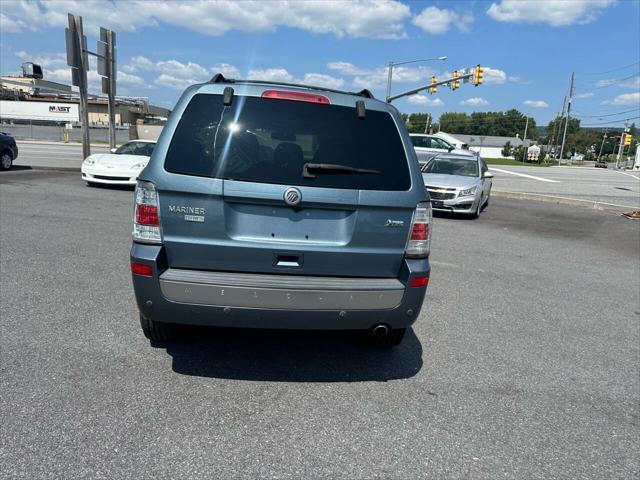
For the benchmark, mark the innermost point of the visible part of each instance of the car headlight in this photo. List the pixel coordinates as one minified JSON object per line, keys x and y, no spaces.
{"x":90,"y":161}
{"x":467,"y":192}
{"x":139,"y":166}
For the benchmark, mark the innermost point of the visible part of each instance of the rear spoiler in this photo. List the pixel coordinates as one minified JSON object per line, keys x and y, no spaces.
{"x":219,"y":78}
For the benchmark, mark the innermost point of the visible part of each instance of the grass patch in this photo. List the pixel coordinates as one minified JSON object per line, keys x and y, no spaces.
{"x":512,"y":162}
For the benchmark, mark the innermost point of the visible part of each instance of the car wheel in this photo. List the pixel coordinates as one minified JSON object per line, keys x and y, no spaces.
{"x":392,"y":339}
{"x":476,"y":214}
{"x":157,"y":331}
{"x":6,"y":160}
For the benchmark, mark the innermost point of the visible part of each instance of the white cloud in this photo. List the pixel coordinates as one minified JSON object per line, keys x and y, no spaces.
{"x":322,"y":80}
{"x":346,"y":68}
{"x":494,"y":76}
{"x":624,"y":99}
{"x":129,"y":79}
{"x":474,"y":102}
{"x":282,"y":75}
{"x":271,"y":75}
{"x":633,"y":82}
{"x":357,"y":18}
{"x":47,"y":60}
{"x":557,"y":13}
{"x":229,"y":71}
{"x":536,"y":103}
{"x":605,"y":83}
{"x":377,"y":77}
{"x":435,"y":20}
{"x":424,"y":100}
{"x":584,"y":95}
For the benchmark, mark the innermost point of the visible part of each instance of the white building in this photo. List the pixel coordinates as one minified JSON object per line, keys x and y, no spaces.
{"x":488,"y":146}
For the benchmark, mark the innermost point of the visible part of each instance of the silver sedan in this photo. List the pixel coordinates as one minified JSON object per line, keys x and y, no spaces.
{"x":457,"y":183}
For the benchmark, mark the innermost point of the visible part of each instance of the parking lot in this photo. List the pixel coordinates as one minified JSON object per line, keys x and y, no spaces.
{"x":523,"y":364}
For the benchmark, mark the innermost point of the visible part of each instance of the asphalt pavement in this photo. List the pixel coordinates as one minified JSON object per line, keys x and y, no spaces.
{"x":53,"y":154}
{"x":524,"y":362}
{"x":580,"y":183}
{"x":585,"y":184}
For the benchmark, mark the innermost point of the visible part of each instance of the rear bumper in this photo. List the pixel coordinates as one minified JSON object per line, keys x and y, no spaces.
{"x":275,"y":301}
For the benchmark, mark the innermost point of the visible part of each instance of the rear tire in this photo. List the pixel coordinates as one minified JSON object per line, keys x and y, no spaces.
{"x":391,"y":339}
{"x":6,"y":160}
{"x":157,"y":331}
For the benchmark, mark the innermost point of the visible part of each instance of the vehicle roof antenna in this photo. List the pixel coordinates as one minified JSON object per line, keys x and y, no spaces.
{"x":360,"y":108}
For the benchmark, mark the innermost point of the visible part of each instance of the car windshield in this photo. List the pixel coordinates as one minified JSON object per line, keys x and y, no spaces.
{"x":136,"y":148}
{"x":270,"y":141}
{"x":467,"y":167}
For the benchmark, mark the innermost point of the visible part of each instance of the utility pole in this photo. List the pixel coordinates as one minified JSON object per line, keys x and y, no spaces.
{"x":604,"y":137}
{"x":564,"y":135}
{"x":526,"y":127}
{"x":78,"y":60}
{"x":107,"y":69}
{"x":556,"y":139}
{"x":427,"y":124}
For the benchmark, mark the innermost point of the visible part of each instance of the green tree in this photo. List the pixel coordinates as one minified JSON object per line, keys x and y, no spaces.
{"x":507,"y":150}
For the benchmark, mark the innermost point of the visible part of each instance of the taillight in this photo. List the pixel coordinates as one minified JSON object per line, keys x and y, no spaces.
{"x":419,"y":242}
{"x":146,"y":217}
{"x":419,"y":281}
{"x":296,"y":96}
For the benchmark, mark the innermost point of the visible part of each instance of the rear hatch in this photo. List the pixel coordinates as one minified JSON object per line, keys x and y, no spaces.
{"x":270,"y":185}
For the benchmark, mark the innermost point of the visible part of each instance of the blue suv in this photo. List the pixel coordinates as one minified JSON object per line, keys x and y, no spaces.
{"x":272,"y":205}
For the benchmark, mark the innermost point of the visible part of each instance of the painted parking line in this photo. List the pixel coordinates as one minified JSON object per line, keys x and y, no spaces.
{"x":524,"y":175}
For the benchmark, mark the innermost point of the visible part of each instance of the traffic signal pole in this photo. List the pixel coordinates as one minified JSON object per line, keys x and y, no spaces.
{"x":454,"y":79}
{"x":79,"y":61}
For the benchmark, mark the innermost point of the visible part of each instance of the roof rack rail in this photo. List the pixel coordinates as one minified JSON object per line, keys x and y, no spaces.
{"x":219,"y":78}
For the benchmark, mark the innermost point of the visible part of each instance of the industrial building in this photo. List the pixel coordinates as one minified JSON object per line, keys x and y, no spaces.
{"x":29,"y":98}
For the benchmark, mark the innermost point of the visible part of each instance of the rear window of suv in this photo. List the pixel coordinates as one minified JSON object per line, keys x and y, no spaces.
{"x":270,"y":141}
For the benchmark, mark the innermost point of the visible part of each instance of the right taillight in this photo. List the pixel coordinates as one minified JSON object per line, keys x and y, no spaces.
{"x":419,"y":242}
{"x":146,"y":217}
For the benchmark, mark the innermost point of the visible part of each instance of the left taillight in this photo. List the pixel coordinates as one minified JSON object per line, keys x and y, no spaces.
{"x":146,"y":216}
{"x":419,"y":241}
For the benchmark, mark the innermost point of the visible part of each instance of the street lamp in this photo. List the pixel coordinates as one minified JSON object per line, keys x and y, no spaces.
{"x":392,"y":64}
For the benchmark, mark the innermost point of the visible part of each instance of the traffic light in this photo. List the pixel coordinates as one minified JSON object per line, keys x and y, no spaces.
{"x":455,"y":83}
{"x":433,"y":89}
{"x":627,"y":139}
{"x":478,"y":75}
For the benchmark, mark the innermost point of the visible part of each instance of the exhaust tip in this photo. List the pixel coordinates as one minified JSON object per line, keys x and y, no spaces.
{"x":380,"y":330}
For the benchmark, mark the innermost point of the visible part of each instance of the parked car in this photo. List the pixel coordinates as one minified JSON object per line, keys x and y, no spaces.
{"x":281,"y":206}
{"x":458,"y":183}
{"x":8,"y":151}
{"x":119,"y":167}
{"x":428,"y":146}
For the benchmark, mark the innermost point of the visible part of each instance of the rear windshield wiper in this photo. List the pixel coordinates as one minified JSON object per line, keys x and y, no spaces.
{"x":331,"y":168}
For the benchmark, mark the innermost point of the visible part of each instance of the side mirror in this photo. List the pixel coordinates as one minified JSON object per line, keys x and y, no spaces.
{"x":113,"y":150}
{"x":487,"y":175}
{"x":451,"y":148}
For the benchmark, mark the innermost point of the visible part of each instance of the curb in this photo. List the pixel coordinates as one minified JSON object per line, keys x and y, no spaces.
{"x":563,"y":200}
{"x":69,"y":144}
{"x":37,"y":167}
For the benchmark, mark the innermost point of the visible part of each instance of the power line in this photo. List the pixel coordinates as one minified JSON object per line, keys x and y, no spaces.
{"x":607,"y":123}
{"x":612,"y":70}
{"x":607,"y":115}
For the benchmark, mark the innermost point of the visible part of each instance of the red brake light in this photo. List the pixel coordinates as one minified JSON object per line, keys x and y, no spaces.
{"x":147,"y":215}
{"x":419,"y":282}
{"x":296,"y":96}
{"x":420,"y":231}
{"x":141,"y":269}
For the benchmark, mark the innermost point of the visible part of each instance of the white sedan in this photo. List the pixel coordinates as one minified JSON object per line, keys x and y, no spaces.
{"x":120,"y":167}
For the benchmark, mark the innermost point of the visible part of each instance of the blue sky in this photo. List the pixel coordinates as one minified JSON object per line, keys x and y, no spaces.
{"x":529,"y":46}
